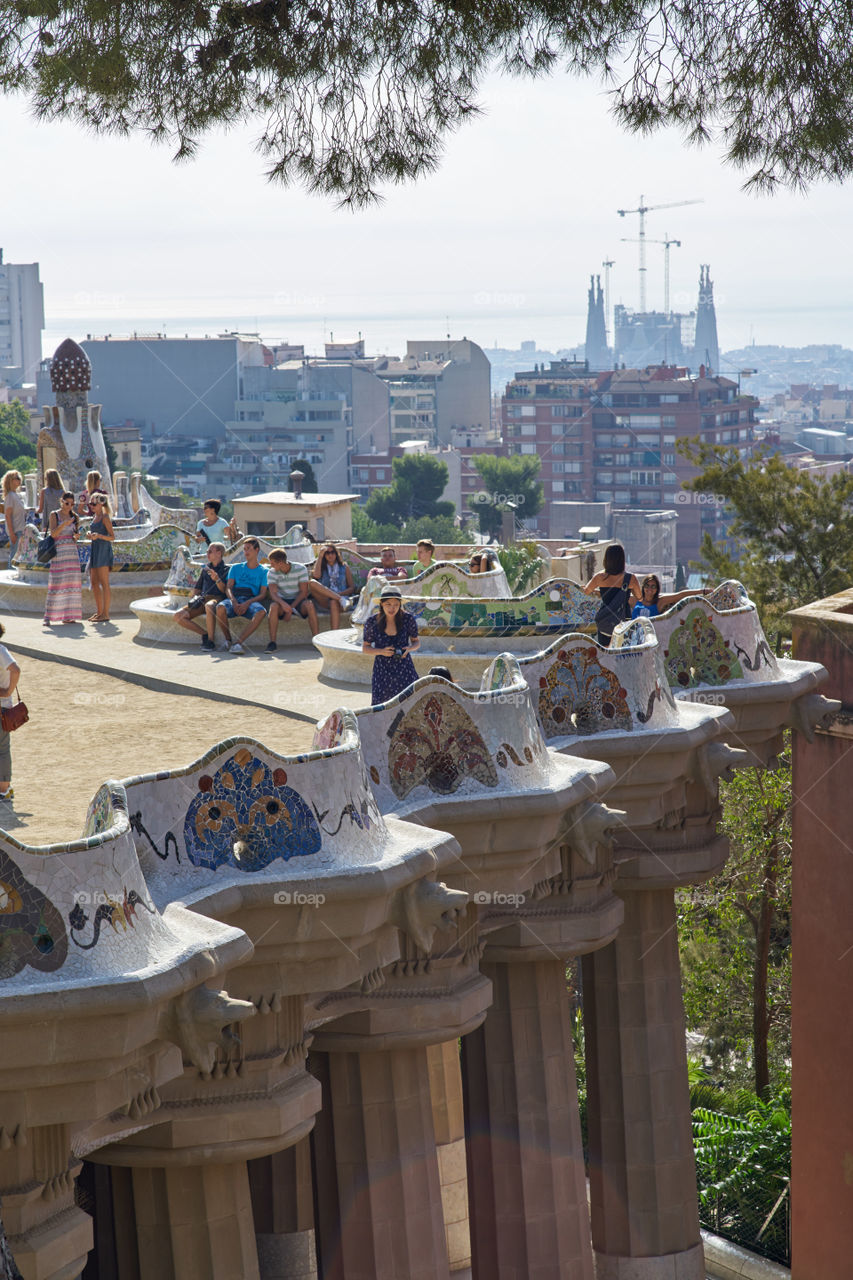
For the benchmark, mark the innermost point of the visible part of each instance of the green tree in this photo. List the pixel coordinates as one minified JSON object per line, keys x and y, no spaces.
{"x":353,"y":96}
{"x":309,"y":484}
{"x":791,"y":533}
{"x":505,"y":480}
{"x":441,"y":529}
{"x":418,"y":481}
{"x":17,"y":447}
{"x":680,"y":578}
{"x":735,"y":933}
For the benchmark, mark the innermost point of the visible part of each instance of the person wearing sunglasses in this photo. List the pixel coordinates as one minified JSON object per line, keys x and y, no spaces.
{"x":101,"y":556}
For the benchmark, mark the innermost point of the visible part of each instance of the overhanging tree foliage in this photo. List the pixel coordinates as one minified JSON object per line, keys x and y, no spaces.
{"x":793,"y":532}
{"x":351,"y":96}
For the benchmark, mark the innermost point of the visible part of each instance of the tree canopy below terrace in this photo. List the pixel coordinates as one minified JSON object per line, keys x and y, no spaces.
{"x":353,"y":94}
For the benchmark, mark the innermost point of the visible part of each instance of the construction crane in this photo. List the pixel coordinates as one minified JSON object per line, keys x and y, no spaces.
{"x":642,"y":210}
{"x":608,"y":318}
{"x":666,"y":242}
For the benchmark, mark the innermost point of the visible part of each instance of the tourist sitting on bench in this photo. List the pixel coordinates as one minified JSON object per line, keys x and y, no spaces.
{"x":209,"y":592}
{"x":388,"y":567}
{"x":246,"y":588}
{"x":287,"y":585}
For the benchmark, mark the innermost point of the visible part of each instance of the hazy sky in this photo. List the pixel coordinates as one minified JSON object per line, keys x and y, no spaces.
{"x":499,"y":244}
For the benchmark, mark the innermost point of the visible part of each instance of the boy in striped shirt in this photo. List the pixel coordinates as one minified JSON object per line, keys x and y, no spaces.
{"x":288,"y":588}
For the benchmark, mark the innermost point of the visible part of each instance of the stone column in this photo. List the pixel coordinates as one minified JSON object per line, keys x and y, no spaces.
{"x":195,"y":1222}
{"x":527,"y":1190}
{"x":379,"y":1198}
{"x":642,"y":1172}
{"x":448,"y":1115}
{"x":49,"y":1237}
{"x":282,"y":1201}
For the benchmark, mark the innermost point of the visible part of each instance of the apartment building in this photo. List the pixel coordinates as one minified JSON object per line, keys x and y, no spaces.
{"x":612,"y":437}
{"x":21,"y":321}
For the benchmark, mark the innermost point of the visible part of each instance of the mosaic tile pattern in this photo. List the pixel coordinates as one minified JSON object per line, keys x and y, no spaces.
{"x":556,"y":605}
{"x":246,"y":816}
{"x":578,"y":695}
{"x":583,"y":688}
{"x":446,"y":581}
{"x":697,"y":653}
{"x":32,"y":931}
{"x":705,"y":643}
{"x":434,"y":739}
{"x":436,"y":744}
{"x":187,"y":822}
{"x":147,"y":554}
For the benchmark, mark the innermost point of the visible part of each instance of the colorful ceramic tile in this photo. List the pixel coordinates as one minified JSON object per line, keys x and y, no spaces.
{"x":31,"y":929}
{"x":245,"y":816}
{"x":436,"y":744}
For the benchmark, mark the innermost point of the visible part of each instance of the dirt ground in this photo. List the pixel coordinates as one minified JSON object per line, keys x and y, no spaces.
{"x":86,"y":727}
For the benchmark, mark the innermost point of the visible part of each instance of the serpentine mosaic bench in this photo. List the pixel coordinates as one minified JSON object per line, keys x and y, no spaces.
{"x":440,"y":580}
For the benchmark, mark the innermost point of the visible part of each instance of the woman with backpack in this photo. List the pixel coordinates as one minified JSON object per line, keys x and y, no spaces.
{"x":616,"y":587}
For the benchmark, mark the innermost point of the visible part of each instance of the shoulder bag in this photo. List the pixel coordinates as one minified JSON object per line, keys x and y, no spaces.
{"x":46,"y":549}
{"x":13,"y":717}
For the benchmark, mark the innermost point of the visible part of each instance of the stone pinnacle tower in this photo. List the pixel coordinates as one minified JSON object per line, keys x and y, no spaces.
{"x":597,"y":352}
{"x":71,"y":439}
{"x":706,"y":350}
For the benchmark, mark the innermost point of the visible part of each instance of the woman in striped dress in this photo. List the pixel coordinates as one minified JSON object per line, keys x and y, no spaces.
{"x":64,"y":587}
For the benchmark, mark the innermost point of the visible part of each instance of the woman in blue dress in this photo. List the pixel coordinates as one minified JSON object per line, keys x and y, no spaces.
{"x":391,"y":635}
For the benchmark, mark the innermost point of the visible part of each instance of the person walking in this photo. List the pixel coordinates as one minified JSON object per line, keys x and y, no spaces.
{"x":392,"y":636}
{"x":9,"y":675}
{"x":616,"y":587}
{"x":14,"y":511}
{"x":101,"y":556}
{"x":64,"y":590}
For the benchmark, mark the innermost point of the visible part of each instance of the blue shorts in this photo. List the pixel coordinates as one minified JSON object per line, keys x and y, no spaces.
{"x":252,"y":612}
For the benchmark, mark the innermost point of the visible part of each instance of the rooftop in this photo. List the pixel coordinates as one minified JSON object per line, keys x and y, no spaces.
{"x":283,"y":498}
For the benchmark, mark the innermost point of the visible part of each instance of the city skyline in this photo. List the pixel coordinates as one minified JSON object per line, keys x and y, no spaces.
{"x":497,"y":245}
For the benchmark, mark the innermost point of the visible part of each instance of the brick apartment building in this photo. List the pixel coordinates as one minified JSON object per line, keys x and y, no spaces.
{"x":611,"y":437}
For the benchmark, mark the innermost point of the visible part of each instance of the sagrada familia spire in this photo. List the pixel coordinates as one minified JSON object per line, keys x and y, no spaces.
{"x":597,"y":352}
{"x":706,"y":349}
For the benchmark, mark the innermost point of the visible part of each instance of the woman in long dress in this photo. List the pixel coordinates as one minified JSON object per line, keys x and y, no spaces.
{"x":64,"y":587}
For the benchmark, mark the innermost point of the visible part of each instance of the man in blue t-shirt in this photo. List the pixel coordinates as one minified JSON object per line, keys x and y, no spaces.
{"x":246,"y":587}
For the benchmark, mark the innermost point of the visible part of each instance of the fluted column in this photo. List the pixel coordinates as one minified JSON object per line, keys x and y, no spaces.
{"x":195,"y":1222}
{"x":448,"y":1114}
{"x":642,"y":1170}
{"x":527,"y":1190}
{"x":379,"y":1196}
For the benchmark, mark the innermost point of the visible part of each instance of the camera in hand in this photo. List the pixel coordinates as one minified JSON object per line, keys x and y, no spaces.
{"x":398,"y":653}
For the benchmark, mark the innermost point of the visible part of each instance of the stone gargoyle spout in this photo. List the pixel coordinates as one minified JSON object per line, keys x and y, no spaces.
{"x":813,"y":711}
{"x":195,"y":1023}
{"x":715,"y":760}
{"x":423,"y":906}
{"x":591,"y":825}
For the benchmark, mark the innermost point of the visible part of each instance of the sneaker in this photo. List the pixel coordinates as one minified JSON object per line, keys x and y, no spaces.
{"x":7,"y":795}
{"x":271,"y":647}
{"x":237,"y":647}
{"x":207,"y":643}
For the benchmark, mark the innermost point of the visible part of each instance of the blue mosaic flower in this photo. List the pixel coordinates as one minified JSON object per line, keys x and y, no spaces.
{"x":244,"y":816}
